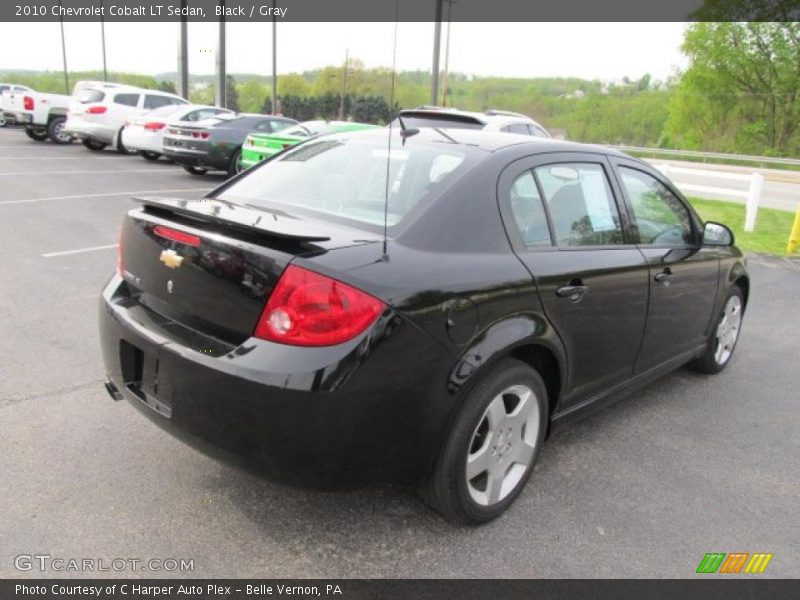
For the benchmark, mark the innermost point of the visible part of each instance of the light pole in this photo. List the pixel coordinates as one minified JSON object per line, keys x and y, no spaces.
{"x":63,"y":49}
{"x":103,"y":39}
{"x":437,"y":41}
{"x":221,"y":100}
{"x":183,"y":55}
{"x":274,"y":61}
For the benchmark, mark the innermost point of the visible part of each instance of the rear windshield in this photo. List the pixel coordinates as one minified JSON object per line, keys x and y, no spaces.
{"x":346,"y":177}
{"x":441,"y":121}
{"x":89,"y":96}
{"x":165,"y":111}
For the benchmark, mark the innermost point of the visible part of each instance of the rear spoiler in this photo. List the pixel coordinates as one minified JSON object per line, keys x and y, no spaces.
{"x":235,"y":216}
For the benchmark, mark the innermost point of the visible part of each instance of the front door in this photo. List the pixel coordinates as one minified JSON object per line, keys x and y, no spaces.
{"x":683,"y":275}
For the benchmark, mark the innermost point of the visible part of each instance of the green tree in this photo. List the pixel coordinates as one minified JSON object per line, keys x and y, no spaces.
{"x":251,"y":95}
{"x":740,"y":93}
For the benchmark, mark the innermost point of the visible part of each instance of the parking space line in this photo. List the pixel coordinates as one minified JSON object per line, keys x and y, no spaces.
{"x":103,"y":195}
{"x":39,"y":174}
{"x":40,"y":157}
{"x":79,"y":250}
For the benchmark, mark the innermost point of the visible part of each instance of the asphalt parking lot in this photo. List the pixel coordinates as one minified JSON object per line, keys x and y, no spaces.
{"x":690,"y":465}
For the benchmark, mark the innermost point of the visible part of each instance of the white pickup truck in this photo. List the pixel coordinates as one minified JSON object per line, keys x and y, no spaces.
{"x":44,"y":115}
{"x":9,"y":87}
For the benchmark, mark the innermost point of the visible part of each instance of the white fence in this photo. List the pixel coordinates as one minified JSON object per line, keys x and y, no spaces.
{"x":752,"y":195}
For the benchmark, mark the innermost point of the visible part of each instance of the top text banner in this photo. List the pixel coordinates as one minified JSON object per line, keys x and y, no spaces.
{"x":399,"y":10}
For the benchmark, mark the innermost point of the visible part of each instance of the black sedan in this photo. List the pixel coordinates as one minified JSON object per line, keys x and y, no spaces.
{"x":423,"y":306}
{"x":216,"y":144}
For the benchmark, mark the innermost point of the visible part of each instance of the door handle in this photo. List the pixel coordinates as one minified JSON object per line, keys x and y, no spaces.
{"x":664,"y":277}
{"x":574,"y":291}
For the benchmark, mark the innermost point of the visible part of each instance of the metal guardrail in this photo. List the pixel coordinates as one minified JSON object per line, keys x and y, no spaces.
{"x":711,"y":155}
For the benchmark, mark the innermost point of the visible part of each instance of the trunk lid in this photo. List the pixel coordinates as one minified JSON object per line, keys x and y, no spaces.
{"x":210,"y":265}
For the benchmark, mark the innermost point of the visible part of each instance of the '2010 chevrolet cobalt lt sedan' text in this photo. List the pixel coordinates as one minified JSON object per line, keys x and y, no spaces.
{"x":417,"y":305}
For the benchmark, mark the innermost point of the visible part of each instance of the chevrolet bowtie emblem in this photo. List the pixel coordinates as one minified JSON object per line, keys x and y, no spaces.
{"x":171,"y":259}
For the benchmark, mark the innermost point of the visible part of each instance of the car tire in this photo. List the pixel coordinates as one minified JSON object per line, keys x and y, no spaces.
{"x":150,"y":155}
{"x":491,"y":447}
{"x":235,"y":166}
{"x":35,"y":134}
{"x":122,"y":148}
{"x":3,"y":122}
{"x":194,"y":170}
{"x":94,"y":145}
{"x":724,"y":335}
{"x":55,"y":131}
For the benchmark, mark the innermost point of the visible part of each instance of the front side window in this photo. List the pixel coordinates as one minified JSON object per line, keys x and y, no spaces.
{"x":517,"y":128}
{"x":658,"y":214}
{"x":528,"y":211}
{"x":153,"y":101}
{"x":581,"y":204}
{"x":127,"y":99}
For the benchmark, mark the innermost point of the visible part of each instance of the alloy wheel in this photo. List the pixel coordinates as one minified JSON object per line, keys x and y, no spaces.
{"x":503,"y":445}
{"x":728,"y":330}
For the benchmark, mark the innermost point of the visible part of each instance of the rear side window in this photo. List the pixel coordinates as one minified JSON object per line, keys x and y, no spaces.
{"x":528,"y":211}
{"x":90,"y":96}
{"x":127,"y":99}
{"x":278,"y":125}
{"x":581,"y":204}
{"x":4,"y":88}
{"x":152,"y":101}
{"x":202,"y":113}
{"x":538,"y":131}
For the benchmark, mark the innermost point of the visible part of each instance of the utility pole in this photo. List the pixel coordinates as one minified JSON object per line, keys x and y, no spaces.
{"x":344,"y":85}
{"x":103,"y":38}
{"x":447,"y":53}
{"x":221,"y":91}
{"x":274,"y":61}
{"x":437,"y":41}
{"x":63,"y":50}
{"x":183,"y":55}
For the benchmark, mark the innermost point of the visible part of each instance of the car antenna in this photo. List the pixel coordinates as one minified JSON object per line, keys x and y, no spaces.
{"x":385,"y":255}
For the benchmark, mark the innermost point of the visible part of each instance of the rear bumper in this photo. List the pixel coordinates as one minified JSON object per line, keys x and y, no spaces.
{"x":138,"y":139}
{"x":20,"y":117}
{"x":370,"y":409}
{"x":86,"y":130}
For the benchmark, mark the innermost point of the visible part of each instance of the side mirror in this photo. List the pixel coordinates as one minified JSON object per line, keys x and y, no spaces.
{"x":717,"y":234}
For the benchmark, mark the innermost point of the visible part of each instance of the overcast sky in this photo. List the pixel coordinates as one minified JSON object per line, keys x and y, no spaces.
{"x":605,"y":51}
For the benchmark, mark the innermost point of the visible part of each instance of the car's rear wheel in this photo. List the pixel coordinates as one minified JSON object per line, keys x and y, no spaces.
{"x":55,"y":131}
{"x":94,"y":145}
{"x":194,"y":170}
{"x":724,"y":335}
{"x":3,"y":122}
{"x":235,"y":166}
{"x":36,"y":134}
{"x":150,"y":155}
{"x":492,"y":446}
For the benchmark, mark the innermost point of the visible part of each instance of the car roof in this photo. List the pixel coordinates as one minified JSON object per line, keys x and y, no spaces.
{"x":487,"y":140}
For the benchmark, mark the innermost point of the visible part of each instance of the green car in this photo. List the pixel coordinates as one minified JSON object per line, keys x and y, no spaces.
{"x":259,"y":146}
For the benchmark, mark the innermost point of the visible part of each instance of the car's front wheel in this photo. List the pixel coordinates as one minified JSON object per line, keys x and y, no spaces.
{"x":235,"y":166}
{"x":94,"y":145}
{"x":724,"y":335}
{"x":194,"y":170}
{"x":147,"y":155}
{"x":55,"y":130}
{"x":492,"y":446}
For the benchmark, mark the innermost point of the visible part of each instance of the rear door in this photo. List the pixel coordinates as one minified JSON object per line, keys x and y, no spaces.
{"x":570,"y":231}
{"x":683,"y":275}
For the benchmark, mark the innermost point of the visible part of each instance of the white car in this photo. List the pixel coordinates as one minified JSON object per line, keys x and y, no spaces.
{"x":97,"y":116}
{"x":9,"y":87}
{"x":145,"y":133}
{"x":491,"y":120}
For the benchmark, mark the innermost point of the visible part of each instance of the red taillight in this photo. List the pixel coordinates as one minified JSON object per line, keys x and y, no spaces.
{"x":28,"y":103}
{"x":201,"y":135}
{"x":177,"y":236}
{"x":309,"y":309}
{"x":96,"y":110}
{"x":154,"y":126}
